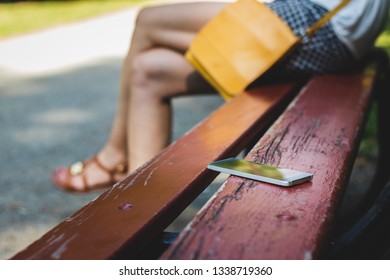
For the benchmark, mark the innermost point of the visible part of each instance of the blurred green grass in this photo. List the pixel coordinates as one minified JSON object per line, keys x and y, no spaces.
{"x":23,"y":17}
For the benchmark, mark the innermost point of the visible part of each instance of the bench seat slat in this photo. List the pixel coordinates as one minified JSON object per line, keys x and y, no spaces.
{"x":139,"y":208}
{"x":318,"y":133}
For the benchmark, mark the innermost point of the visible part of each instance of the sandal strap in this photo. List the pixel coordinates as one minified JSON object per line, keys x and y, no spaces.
{"x":84,"y":178}
{"x":81,"y":172}
{"x":78,"y":169}
{"x":96,"y":160}
{"x":120,"y":168}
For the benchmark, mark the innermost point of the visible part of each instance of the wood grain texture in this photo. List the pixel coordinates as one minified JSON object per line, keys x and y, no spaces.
{"x":133,"y":212}
{"x":319,"y":133}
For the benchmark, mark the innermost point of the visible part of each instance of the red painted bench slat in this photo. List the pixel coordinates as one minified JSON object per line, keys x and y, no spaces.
{"x":139,"y":208}
{"x":318,"y":133}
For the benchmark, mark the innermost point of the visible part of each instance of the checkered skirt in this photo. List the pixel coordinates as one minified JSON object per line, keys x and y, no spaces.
{"x":323,"y":53}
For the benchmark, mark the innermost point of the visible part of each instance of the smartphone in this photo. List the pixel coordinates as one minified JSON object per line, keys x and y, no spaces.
{"x":261,"y":172}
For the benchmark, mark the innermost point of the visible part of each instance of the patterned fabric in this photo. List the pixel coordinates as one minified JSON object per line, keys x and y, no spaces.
{"x":323,"y":53}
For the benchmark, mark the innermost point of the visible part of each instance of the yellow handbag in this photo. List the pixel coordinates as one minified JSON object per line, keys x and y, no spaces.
{"x":242,"y":42}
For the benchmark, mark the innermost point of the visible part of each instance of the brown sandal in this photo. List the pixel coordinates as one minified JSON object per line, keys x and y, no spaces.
{"x":62,"y":176}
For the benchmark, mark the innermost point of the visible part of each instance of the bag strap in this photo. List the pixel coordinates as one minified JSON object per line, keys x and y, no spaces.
{"x":314,"y":28}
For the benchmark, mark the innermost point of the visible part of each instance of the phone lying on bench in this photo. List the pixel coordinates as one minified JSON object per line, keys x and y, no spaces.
{"x":261,"y":172}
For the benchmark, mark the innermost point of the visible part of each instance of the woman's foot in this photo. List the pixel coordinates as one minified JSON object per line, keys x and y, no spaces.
{"x":93,"y":174}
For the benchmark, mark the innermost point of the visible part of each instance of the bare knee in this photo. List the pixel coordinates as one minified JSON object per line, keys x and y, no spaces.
{"x":145,"y":76}
{"x":146,"y":16}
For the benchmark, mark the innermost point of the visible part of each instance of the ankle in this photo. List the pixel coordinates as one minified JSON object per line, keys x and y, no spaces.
{"x":112,"y":156}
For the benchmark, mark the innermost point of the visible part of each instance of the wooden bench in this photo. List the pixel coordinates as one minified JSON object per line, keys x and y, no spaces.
{"x":319,"y":132}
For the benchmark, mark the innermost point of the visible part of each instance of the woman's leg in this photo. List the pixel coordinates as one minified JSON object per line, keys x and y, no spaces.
{"x":161,"y":75}
{"x":154,"y":71}
{"x":159,"y":72}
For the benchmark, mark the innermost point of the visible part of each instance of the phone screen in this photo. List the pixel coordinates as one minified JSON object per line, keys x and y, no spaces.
{"x":261,"y":172}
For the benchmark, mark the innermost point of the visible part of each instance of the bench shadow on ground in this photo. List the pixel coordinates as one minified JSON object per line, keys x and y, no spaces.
{"x":57,"y":119}
{"x":54,"y":120}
